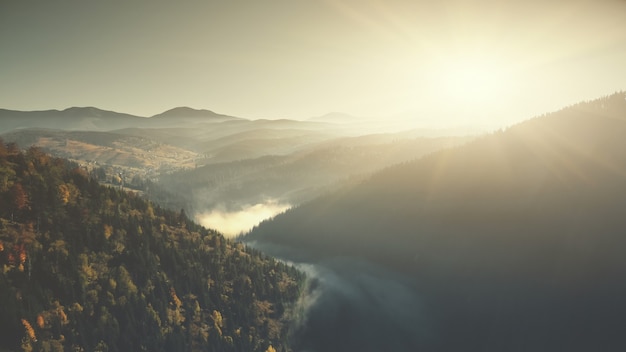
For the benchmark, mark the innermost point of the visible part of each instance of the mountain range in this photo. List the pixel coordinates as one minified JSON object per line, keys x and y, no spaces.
{"x":94,"y":119}
{"x":207,"y":160}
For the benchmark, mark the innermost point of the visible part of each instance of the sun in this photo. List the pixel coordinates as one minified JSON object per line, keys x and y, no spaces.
{"x":476,"y":81}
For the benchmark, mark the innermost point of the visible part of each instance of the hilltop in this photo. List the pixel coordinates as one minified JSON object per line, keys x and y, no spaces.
{"x":187,"y":112}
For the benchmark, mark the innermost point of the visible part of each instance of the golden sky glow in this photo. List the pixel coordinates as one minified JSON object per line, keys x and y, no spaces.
{"x":434,"y":62}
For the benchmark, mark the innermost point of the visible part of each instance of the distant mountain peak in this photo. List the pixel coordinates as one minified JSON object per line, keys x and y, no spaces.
{"x":82,"y":108}
{"x":91,"y":112}
{"x":87,"y":110}
{"x":185,"y":111}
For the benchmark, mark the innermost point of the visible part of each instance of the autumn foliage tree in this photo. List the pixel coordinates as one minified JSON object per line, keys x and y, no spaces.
{"x":96,"y":268}
{"x":19,"y":197}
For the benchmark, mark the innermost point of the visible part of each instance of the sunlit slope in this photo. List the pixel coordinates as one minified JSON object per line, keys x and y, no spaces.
{"x":106,"y":148}
{"x":517,"y":236}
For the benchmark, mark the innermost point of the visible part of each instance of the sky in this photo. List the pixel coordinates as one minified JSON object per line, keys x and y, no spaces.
{"x":432,"y":62}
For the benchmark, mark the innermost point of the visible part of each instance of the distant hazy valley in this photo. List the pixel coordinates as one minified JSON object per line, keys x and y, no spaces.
{"x":209,"y":164}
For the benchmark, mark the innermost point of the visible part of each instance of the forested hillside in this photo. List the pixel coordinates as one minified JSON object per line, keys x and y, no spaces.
{"x":513,"y":241}
{"x":91,"y":268}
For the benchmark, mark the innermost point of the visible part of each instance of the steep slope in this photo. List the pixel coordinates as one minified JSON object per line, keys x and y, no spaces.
{"x":514,"y":241}
{"x":87,"y":267}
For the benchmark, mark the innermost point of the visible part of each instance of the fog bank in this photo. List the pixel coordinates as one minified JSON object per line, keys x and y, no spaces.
{"x":349,"y":304}
{"x":352,"y":305}
{"x":232,"y":223}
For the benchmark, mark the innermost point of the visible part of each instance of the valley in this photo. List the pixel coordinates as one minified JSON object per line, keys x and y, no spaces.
{"x":313,"y":176}
{"x":405,"y":235}
{"x":206,"y":162}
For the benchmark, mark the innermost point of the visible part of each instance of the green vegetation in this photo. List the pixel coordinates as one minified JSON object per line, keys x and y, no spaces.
{"x":85,"y":267}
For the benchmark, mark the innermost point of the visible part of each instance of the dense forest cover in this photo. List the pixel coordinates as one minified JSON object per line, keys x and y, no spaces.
{"x":84,"y":267}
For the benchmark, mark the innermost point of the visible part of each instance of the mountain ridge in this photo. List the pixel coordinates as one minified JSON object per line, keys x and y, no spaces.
{"x":86,"y":111}
{"x":184,"y":111}
{"x":94,"y":119}
{"x":511,"y":237}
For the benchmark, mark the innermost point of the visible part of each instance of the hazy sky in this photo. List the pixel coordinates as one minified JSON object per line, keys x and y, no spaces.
{"x":468,"y":60}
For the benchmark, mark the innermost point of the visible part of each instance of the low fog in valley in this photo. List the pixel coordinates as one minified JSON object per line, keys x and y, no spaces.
{"x":238,"y":222}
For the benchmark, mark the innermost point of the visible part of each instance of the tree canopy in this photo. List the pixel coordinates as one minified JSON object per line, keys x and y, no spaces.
{"x":86,"y":267}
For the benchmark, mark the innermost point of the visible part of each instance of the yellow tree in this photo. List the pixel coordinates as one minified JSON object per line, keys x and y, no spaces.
{"x":19,"y":197}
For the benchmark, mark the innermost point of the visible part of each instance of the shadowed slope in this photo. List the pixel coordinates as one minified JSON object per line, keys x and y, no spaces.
{"x":514,"y":240}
